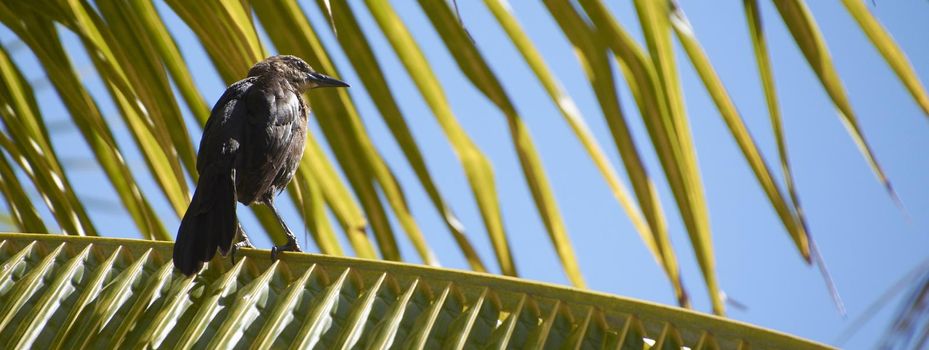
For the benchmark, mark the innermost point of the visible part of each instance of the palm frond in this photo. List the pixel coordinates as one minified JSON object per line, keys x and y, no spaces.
{"x":75,"y":292}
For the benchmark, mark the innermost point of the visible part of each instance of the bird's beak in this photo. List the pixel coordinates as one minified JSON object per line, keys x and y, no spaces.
{"x":319,"y":80}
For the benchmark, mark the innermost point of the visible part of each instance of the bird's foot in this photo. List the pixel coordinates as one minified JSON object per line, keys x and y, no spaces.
{"x":244,"y":243}
{"x":290,"y":246}
{"x":243,"y":238}
{"x":235,"y":247}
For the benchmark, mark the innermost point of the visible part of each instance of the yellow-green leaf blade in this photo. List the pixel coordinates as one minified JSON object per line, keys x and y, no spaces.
{"x":476,"y":165}
{"x":739,"y":131}
{"x":23,"y":213}
{"x":888,"y":48}
{"x":679,"y":168}
{"x":41,"y":37}
{"x":477,"y":70}
{"x":760,"y":47}
{"x":592,"y":54}
{"x":365,"y":63}
{"x":806,"y":34}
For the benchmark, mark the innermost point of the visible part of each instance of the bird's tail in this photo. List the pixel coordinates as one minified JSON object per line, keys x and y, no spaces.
{"x":210,"y":223}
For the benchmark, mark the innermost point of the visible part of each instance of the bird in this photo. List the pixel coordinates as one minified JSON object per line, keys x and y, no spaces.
{"x":251,"y":147}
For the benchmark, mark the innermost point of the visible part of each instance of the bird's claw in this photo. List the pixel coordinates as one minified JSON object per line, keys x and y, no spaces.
{"x":235,"y":247}
{"x":243,"y":238}
{"x":291,"y":246}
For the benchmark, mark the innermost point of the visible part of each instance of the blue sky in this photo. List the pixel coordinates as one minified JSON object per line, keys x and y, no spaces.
{"x":867,"y":241}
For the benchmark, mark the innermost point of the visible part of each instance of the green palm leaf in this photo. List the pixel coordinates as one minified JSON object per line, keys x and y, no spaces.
{"x":806,"y":34}
{"x":593,"y":55}
{"x":669,"y":135}
{"x":28,"y":145}
{"x":66,"y":292}
{"x":889,"y":49}
{"x":740,"y":132}
{"x":477,"y":70}
{"x":476,"y":165}
{"x":362,"y":57}
{"x":43,"y":39}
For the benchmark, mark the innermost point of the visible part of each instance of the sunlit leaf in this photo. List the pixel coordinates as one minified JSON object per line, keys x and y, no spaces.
{"x":23,"y":213}
{"x":593,"y":56}
{"x":663,"y":128}
{"x":753,"y":16}
{"x":171,"y":57}
{"x":363,"y":60}
{"x":42,"y":39}
{"x":765,"y":73}
{"x":888,"y":48}
{"x":476,"y":165}
{"x":90,"y":292}
{"x":806,"y":34}
{"x":739,"y":131}
{"x":154,"y":142}
{"x":134,"y":46}
{"x":475,"y":67}
{"x":29,"y":146}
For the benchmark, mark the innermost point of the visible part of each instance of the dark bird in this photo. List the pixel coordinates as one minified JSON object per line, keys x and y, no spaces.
{"x":249,"y":152}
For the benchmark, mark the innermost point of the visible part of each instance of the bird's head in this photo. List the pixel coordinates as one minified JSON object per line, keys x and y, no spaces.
{"x":294,"y":69}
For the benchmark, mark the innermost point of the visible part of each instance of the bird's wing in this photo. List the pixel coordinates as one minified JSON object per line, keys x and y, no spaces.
{"x":221,"y":140}
{"x":210,"y":221}
{"x":273,"y":124}
{"x":226,"y":122}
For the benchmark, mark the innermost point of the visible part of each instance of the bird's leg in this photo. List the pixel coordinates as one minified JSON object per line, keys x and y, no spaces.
{"x":243,"y":242}
{"x":291,"y":244}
